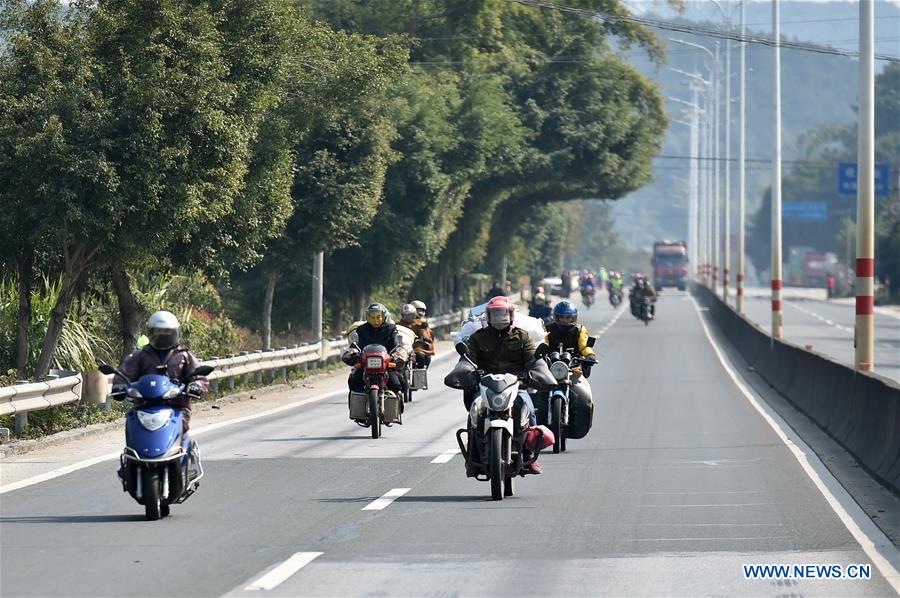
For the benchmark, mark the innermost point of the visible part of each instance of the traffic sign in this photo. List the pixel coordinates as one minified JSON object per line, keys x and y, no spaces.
{"x":804,"y":211}
{"x":847,"y":179}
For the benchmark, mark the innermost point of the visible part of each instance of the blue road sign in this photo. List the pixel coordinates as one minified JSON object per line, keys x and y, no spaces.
{"x":804,"y":211}
{"x":847,"y":179}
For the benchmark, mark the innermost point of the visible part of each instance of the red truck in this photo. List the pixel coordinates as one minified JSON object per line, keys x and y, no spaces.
{"x":670,"y":264}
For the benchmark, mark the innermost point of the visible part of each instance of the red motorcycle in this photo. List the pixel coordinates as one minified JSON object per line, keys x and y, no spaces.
{"x":378,"y":405}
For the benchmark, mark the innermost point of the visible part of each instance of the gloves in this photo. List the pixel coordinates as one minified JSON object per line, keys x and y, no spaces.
{"x":350,"y":357}
{"x":194,"y":388}
{"x":118,"y":391}
{"x":587,"y":364}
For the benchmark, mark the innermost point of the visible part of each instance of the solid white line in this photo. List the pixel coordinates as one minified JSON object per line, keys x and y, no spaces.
{"x":872,"y":540}
{"x":446,"y":456}
{"x":381,"y":503}
{"x":283,"y":571}
{"x":200,"y":431}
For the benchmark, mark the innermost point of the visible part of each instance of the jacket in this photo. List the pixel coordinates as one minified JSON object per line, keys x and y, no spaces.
{"x":425,"y":333}
{"x":573,"y":338}
{"x":540,"y":311}
{"x":386,"y":335}
{"x":501,"y":351}
{"x":179,"y":362}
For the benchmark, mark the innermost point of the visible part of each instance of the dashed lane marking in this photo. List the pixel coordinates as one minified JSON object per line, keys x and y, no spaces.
{"x":382,"y":503}
{"x":446,"y":456}
{"x":282,"y":572}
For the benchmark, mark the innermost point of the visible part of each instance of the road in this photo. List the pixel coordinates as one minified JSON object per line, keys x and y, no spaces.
{"x":680,"y":483}
{"x":828,"y":327}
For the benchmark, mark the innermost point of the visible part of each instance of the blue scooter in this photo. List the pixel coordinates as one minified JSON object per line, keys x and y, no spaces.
{"x":160,"y":465}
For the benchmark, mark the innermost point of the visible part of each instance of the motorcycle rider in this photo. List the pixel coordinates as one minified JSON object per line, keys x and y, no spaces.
{"x":501,"y":348}
{"x":420,"y":308}
{"x":378,"y":330}
{"x":646,"y":291}
{"x":409,"y":317}
{"x":564,"y":330}
{"x":539,"y":308}
{"x":163,"y":348}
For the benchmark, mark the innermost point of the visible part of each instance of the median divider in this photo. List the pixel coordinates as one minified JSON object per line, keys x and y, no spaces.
{"x":860,"y":410}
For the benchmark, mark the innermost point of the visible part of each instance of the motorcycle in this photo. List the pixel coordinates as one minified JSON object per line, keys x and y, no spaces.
{"x":500,"y":439}
{"x":563,"y":365}
{"x":645,"y":311}
{"x":415,"y":378}
{"x":587,"y":296}
{"x":378,"y":405}
{"x":160,"y":465}
{"x":615,"y":297}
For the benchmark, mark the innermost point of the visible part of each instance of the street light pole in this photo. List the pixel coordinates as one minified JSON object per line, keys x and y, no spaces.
{"x":717,"y":187}
{"x":865,"y":194}
{"x":742,"y":181}
{"x":726,"y":260}
{"x":776,"y":183}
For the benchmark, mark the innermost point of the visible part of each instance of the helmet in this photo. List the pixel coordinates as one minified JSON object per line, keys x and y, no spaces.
{"x":539,"y":299}
{"x":500,"y":311}
{"x":164,"y":330}
{"x":420,"y":307}
{"x":565,"y":314}
{"x":539,"y":290}
{"x":376,"y":314}
{"x":408,"y":313}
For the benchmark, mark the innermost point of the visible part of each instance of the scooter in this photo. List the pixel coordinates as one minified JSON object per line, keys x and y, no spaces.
{"x":615,"y":297}
{"x":495,"y":434}
{"x":645,"y":311}
{"x":160,"y":465}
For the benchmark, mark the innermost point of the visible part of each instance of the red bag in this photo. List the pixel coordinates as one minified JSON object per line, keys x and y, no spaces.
{"x":539,"y":438}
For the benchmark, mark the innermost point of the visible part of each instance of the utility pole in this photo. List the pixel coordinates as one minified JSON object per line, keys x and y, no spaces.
{"x":317,"y":288}
{"x":865,"y":191}
{"x":694,"y":175}
{"x":776,"y":183}
{"x":742,"y":180}
{"x":726,"y":260}
{"x":717,"y":187}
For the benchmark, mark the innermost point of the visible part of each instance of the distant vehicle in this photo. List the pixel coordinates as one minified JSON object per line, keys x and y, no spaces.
{"x":670,"y":264}
{"x":552,"y":285}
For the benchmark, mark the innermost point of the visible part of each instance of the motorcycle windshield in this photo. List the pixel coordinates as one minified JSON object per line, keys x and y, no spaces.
{"x":374,"y":349}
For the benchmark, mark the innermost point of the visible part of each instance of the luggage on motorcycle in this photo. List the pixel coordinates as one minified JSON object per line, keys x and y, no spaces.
{"x":581,"y":413}
{"x":391,"y":407}
{"x":537,"y":438}
{"x":359,"y":405}
{"x":419,"y":379}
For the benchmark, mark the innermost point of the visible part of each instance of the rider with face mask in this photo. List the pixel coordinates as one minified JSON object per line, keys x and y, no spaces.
{"x":501,"y":348}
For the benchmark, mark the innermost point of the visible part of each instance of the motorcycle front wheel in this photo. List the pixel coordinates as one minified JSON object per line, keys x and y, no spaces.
{"x":374,"y":416}
{"x":495,"y":453}
{"x":557,"y":427}
{"x":152,"y":501}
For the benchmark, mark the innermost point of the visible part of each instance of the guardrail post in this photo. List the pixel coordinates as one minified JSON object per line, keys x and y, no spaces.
{"x":257,"y":375}
{"x":21,"y":418}
{"x":244,"y":376}
{"x":282,"y":371}
{"x":230,"y":378}
{"x":4,"y":434}
{"x":213,"y":384}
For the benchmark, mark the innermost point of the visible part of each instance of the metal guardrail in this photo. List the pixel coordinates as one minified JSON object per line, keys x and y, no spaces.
{"x":21,"y":399}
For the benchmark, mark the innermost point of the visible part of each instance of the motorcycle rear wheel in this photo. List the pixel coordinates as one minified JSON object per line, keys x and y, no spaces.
{"x":152,"y":501}
{"x":556,"y":427}
{"x":495,"y":452}
{"x":374,"y":416}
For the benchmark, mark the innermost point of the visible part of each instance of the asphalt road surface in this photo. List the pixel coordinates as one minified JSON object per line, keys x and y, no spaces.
{"x":828,"y":327}
{"x":680,"y":483}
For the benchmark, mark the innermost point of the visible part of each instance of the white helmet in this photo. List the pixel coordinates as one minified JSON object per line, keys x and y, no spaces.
{"x":408,"y":312}
{"x":164,"y":330}
{"x":420,"y":307}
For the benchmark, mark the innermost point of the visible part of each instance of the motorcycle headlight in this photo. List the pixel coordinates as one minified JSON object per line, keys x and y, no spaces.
{"x":499,"y":401}
{"x":134,"y":393}
{"x":172,"y":393}
{"x":559,"y":370}
{"x":154,"y":420}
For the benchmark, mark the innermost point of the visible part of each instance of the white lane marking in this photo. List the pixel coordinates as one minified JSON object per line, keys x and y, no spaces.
{"x":872,"y":540}
{"x":446,"y":456}
{"x":390,"y":496}
{"x":612,"y":321}
{"x":200,"y":431}
{"x":283,"y":571}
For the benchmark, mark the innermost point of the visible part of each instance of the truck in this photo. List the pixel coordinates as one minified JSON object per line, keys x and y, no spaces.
{"x":670,"y":264}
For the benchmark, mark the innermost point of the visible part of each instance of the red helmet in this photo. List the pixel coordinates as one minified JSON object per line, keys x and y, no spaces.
{"x":500,"y":311}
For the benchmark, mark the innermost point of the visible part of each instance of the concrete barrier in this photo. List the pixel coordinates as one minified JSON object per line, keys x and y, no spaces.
{"x":860,"y":410}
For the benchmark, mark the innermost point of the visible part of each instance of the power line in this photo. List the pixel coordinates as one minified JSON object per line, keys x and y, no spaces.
{"x":703,"y":31}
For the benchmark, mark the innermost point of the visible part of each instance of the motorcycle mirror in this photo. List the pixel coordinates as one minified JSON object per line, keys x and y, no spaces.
{"x":591,"y":340}
{"x":353,"y":337}
{"x":107,"y":369}
{"x":162,"y":369}
{"x":541,"y":350}
{"x":204,"y":370}
{"x":462,"y":348}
